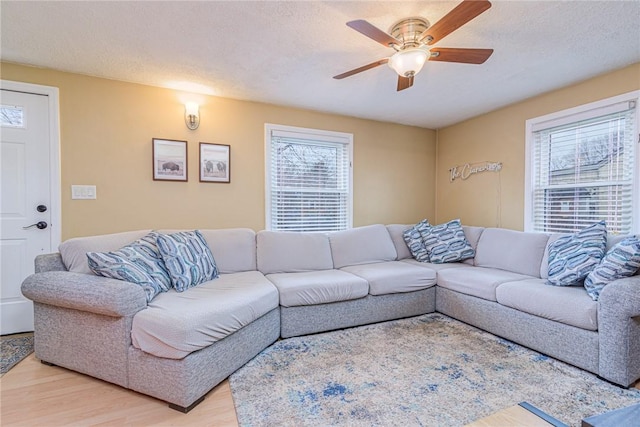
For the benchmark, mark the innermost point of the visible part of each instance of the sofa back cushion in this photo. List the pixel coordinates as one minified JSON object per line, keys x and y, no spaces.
{"x":472,"y":234}
{"x":74,"y":251}
{"x":511,"y":250}
{"x":544,"y":265}
{"x":288,"y":252}
{"x":362,"y":245}
{"x":395,"y":231}
{"x":234,"y":249}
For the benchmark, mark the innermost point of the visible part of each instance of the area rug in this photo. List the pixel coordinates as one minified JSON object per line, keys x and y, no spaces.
{"x":14,"y":348}
{"x":424,"y":371}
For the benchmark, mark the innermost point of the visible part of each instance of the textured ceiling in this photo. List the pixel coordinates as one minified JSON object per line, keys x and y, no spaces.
{"x":286,"y":52}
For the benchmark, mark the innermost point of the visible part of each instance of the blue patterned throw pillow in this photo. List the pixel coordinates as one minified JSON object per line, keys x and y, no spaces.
{"x":622,"y":260}
{"x":447,"y":243}
{"x":573,"y":257}
{"x":413,"y":238}
{"x":139,"y":262}
{"x":188,"y":259}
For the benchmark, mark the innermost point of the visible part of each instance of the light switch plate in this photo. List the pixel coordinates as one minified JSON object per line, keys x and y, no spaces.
{"x":83,"y":192}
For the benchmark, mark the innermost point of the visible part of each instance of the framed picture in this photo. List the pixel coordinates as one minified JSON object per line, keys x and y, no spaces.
{"x":215,"y":163}
{"x":169,"y":160}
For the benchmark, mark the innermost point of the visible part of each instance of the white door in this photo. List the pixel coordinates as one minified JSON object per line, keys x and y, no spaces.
{"x":26,"y":199}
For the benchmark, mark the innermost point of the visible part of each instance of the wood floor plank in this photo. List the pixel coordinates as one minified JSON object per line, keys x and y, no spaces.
{"x":35,"y":394}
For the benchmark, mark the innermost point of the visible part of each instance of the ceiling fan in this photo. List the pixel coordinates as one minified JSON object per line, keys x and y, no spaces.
{"x":411,"y":38}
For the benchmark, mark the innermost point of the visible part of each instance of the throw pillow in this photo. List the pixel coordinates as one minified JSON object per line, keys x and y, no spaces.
{"x":188,"y":259}
{"x":573,"y":257}
{"x":623,"y":260}
{"x":139,"y":262}
{"x":447,"y":243}
{"x":144,"y":253}
{"x":413,"y":238}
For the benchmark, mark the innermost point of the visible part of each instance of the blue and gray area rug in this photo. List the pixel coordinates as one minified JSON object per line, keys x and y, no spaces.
{"x":14,"y":348}
{"x":425,"y":371}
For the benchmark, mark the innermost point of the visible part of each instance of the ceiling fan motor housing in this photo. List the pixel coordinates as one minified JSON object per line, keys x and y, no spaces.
{"x":408,"y":31}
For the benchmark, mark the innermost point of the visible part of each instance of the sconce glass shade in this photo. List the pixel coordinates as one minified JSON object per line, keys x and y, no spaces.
{"x":409,"y":62}
{"x":192,"y":115}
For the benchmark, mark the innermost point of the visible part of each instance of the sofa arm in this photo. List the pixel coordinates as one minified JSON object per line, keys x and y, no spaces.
{"x":49,"y":262}
{"x":85,"y":292}
{"x":619,"y":331}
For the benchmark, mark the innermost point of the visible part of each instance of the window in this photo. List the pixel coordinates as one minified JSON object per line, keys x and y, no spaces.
{"x":12,"y":116}
{"x":308,"y":179}
{"x":582,"y":166}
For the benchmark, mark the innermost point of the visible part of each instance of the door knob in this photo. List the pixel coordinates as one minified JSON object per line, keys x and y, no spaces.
{"x":41,"y":208}
{"x":41,"y":225}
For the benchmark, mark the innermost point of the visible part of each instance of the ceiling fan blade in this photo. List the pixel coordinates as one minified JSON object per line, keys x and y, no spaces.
{"x":373,"y":32}
{"x":361,"y":69}
{"x":467,"y":56}
{"x":404,"y":82}
{"x":460,"y":15}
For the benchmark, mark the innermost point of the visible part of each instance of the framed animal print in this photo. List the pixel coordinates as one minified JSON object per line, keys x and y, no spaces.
{"x":169,"y":160}
{"x":215,"y":163}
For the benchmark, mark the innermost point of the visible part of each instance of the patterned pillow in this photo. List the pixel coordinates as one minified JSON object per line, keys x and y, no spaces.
{"x":573,"y":257}
{"x":188,"y":259}
{"x":447,"y":243}
{"x":413,"y":238}
{"x":139,"y":262}
{"x":623,"y":260}
{"x":144,"y":252}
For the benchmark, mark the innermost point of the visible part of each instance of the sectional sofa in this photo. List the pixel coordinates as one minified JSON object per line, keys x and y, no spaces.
{"x":180,"y":345}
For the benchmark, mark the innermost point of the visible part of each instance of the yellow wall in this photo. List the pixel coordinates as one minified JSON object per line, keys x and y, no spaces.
{"x":497,"y":199}
{"x":106,"y":132}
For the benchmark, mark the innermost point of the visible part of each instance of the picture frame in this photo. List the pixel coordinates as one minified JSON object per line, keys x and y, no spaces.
{"x":215,"y":163}
{"x":169,"y":160}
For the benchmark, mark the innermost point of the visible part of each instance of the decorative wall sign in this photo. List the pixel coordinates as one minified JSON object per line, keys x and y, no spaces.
{"x":465,"y":171}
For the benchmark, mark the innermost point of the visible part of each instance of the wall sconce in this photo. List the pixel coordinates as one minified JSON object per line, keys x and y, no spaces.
{"x":191,"y":115}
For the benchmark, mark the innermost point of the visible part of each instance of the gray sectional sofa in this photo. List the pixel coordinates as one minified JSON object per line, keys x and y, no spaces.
{"x":273,"y":284}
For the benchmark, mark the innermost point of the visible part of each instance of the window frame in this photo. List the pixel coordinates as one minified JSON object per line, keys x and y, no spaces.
{"x":332,"y":137}
{"x":572,"y":115}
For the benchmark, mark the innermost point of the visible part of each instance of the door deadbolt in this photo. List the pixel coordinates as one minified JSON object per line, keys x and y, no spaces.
{"x":41,"y":208}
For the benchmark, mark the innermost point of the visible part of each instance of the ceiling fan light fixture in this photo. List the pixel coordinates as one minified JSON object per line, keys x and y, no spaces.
{"x":409,"y":62}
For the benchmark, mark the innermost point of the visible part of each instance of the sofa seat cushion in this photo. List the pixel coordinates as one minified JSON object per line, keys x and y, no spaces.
{"x":318,"y":287}
{"x":479,"y":282}
{"x":437,"y":267}
{"x":176,"y":324}
{"x":570,"y":305}
{"x":394,"y":277}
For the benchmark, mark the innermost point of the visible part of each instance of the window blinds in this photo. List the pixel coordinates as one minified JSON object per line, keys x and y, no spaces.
{"x":583,"y":170}
{"x":308,"y":182}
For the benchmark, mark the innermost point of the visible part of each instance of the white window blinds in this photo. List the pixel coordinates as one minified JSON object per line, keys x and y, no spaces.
{"x":308,"y":179}
{"x":583,"y":170}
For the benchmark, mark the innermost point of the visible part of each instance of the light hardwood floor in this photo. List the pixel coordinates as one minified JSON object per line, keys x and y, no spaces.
{"x":33,"y":394}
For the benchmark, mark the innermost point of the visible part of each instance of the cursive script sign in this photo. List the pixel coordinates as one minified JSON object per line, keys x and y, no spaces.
{"x":465,"y":171}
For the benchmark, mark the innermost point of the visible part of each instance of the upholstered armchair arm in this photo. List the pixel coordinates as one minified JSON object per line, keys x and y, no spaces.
{"x":619,"y":330}
{"x":85,"y":292}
